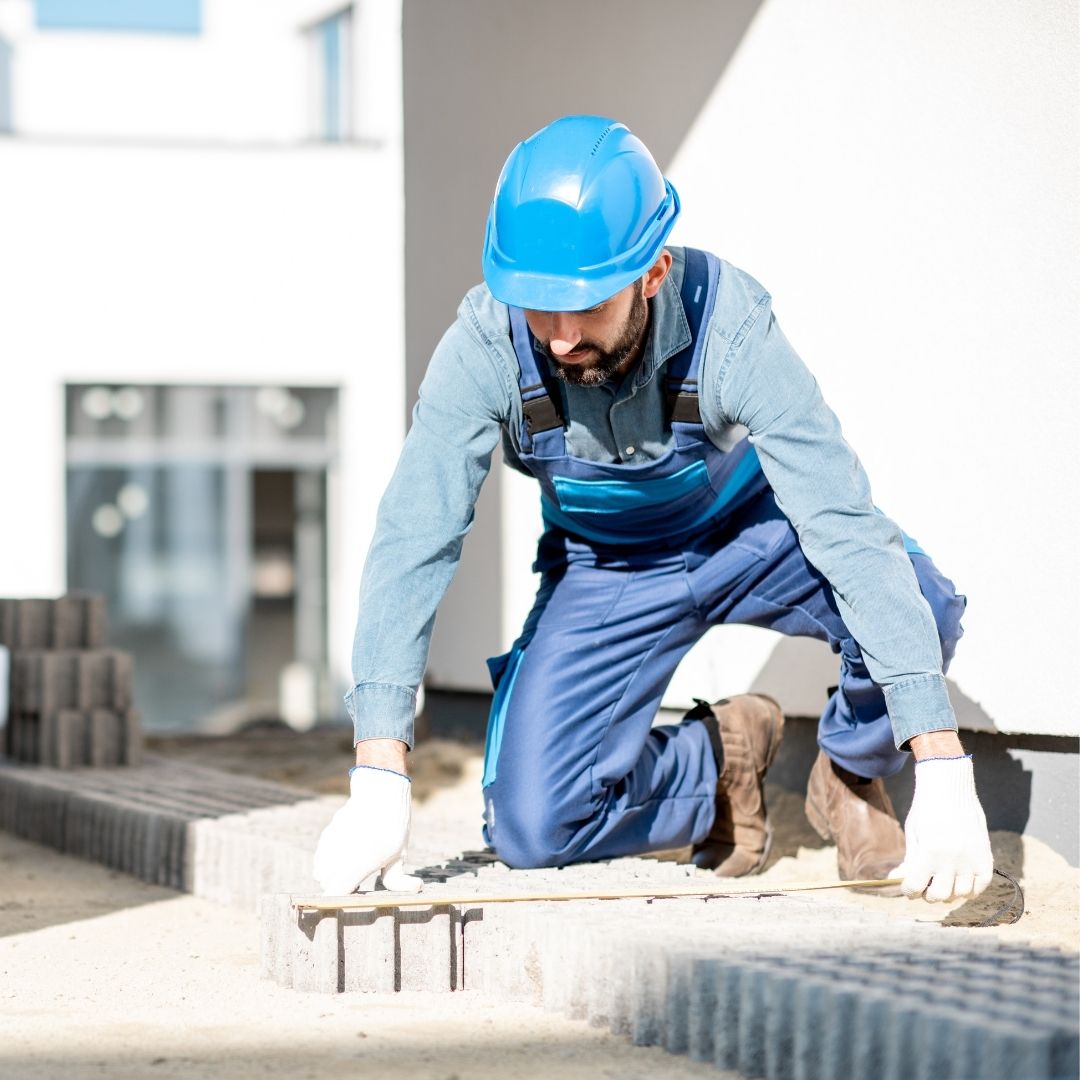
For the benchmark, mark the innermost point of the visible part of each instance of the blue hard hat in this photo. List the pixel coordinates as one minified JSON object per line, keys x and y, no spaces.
{"x":580,"y":211}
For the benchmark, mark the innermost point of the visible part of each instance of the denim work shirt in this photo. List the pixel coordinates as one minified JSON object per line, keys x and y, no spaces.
{"x":750,"y":378}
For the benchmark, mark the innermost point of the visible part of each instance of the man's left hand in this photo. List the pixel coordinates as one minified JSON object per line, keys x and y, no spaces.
{"x":948,"y":853}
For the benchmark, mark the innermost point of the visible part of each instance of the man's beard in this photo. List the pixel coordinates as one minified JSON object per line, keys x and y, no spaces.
{"x":608,"y":362}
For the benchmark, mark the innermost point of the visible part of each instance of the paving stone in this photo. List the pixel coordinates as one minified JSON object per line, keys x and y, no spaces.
{"x":732,"y":981}
{"x":67,"y":630}
{"x":143,"y":821}
{"x":104,"y":742}
{"x":32,"y":624}
{"x":59,"y":661}
{"x":131,"y":737}
{"x":317,"y":958}
{"x":712,"y":980}
{"x":79,"y":621}
{"x":69,"y":739}
{"x":8,"y":617}
{"x":122,"y":680}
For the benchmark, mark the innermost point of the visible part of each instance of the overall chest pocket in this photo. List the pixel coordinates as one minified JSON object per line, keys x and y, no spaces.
{"x":633,"y":499}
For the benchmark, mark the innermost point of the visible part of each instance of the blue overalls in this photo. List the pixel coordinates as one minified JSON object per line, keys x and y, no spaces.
{"x":637,"y":562}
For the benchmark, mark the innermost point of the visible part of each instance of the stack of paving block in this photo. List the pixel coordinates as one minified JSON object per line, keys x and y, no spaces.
{"x":70,"y":696}
{"x":223,"y":837}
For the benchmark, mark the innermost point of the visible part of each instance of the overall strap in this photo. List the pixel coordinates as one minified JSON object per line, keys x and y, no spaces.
{"x":698,"y":299}
{"x":541,"y":404}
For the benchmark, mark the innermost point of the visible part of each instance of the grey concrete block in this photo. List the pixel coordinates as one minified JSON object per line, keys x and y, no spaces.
{"x":648,"y":970}
{"x":317,"y":958}
{"x":25,"y":692}
{"x":750,"y":1033}
{"x":501,"y":956}
{"x":62,"y":681}
{"x":726,"y":1024}
{"x":79,"y":621}
{"x":275,"y":952}
{"x":69,"y":739}
{"x":67,"y":623}
{"x":8,"y":623}
{"x":32,"y":624}
{"x":131,"y":737}
{"x":402,"y":949}
{"x":702,"y":1008}
{"x":676,"y":1005}
{"x":95,"y":678}
{"x":104,"y":738}
{"x":95,"y":621}
{"x":808,"y":1021}
{"x":121,"y":676}
{"x":48,"y":692}
{"x":371,"y":944}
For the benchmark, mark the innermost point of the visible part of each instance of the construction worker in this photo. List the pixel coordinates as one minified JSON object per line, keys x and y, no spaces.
{"x":690,"y":474}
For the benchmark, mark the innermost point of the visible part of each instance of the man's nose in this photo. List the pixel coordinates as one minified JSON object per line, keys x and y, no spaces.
{"x":565,"y":334}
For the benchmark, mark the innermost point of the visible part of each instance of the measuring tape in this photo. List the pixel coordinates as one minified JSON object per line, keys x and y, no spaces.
{"x":386,"y":901}
{"x":380,"y":902}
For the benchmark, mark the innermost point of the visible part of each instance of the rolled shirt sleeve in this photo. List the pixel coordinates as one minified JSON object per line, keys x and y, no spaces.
{"x":423,"y":518}
{"x":822,"y":488}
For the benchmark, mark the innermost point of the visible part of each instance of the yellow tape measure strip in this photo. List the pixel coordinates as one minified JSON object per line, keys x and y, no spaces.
{"x":384,"y":901}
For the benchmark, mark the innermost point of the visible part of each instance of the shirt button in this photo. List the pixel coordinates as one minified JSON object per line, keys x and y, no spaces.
{"x":629,"y":450}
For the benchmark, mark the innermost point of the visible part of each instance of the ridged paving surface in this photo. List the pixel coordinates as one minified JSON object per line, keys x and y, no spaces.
{"x":792,"y":986}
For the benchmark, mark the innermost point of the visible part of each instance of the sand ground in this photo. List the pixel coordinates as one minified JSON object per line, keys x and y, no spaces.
{"x":103,"y":976}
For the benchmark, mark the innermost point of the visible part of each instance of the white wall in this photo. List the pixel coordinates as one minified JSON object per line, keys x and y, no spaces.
{"x":169,"y":263}
{"x":245,"y":77}
{"x":903,"y":179}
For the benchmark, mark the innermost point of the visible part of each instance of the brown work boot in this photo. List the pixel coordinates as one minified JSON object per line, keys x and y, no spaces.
{"x":858,"y":816}
{"x":745,"y":731}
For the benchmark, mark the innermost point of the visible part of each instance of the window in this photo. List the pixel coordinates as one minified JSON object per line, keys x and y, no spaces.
{"x":154,"y":16}
{"x":200,"y":512}
{"x":331,"y":51}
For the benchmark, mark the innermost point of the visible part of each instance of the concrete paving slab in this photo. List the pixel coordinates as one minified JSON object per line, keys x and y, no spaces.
{"x":780,"y":986}
{"x":774,"y":1011}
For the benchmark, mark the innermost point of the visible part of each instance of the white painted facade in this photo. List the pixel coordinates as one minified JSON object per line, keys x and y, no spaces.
{"x":165,"y":218}
{"x":902,"y":177}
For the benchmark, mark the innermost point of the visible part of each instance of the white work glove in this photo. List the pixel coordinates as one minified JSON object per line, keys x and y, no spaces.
{"x":367,"y":835}
{"x":948,"y":848}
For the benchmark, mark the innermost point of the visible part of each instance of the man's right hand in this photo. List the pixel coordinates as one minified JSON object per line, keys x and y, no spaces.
{"x":369,"y":833}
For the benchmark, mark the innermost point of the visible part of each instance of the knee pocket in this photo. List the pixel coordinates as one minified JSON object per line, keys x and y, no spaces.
{"x":521,"y":840}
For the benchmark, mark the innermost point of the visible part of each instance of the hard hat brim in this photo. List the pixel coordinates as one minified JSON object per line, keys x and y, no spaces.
{"x":538,"y":291}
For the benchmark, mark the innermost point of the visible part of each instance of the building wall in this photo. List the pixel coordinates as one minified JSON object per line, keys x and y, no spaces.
{"x":131,"y":253}
{"x":478,"y":77}
{"x":902,"y":177}
{"x":243,"y":77}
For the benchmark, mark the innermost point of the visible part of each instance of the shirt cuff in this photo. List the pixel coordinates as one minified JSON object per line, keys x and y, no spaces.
{"x":918,"y":705}
{"x":381,"y":711}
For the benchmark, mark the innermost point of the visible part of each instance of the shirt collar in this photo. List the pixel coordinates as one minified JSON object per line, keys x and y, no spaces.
{"x":669,"y":331}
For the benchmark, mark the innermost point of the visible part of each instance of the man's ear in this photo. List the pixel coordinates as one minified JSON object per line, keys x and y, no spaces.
{"x":656,"y":274}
